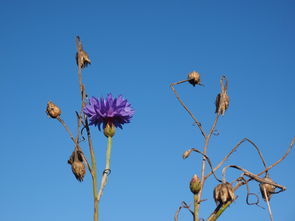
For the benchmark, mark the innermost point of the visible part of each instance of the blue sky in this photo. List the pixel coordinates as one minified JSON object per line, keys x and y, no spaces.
{"x":137,"y":49}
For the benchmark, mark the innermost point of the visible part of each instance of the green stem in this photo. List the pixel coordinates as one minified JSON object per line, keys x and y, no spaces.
{"x":106,"y":170}
{"x":218,"y":211}
{"x":196,"y":207}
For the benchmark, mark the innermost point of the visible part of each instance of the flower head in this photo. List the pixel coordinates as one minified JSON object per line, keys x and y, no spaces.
{"x":108,"y":111}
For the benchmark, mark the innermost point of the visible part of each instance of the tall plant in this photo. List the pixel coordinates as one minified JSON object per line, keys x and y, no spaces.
{"x":224,"y":192}
{"x":105,"y":113}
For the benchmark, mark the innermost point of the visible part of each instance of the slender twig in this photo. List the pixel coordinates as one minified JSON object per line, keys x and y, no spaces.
{"x":233,"y":150}
{"x":183,"y":205}
{"x":252,"y":176}
{"x":278,"y":161}
{"x":93,"y":162}
{"x":67,"y":129}
{"x":268,"y":204}
{"x":185,"y":107}
{"x":207,"y":138}
{"x":207,"y":158}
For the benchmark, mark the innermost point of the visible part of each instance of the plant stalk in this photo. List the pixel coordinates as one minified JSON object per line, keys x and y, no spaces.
{"x":105,"y":172}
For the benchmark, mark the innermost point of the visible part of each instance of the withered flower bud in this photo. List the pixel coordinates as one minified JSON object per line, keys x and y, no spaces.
{"x":194,"y":78}
{"x":82,"y":58}
{"x":221,"y":103}
{"x":269,"y":189}
{"x":195,"y":185}
{"x":109,"y":131}
{"x":52,"y":110}
{"x":222,"y":99}
{"x":223,"y":193}
{"x":78,"y":167}
{"x":186,"y":154}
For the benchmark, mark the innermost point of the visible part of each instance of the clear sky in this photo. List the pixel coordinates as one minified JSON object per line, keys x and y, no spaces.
{"x":137,"y":49}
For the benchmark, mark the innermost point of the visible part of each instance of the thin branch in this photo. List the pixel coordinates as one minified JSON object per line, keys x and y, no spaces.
{"x":207,"y":138}
{"x":268,"y":204}
{"x":183,"y":205}
{"x":283,"y":157}
{"x":233,"y":150}
{"x":67,"y":129}
{"x":207,"y":158}
{"x":252,"y":176}
{"x":185,"y":107}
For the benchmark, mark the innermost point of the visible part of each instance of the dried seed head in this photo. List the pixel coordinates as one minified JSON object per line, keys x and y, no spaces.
{"x":195,"y":184}
{"x":186,"y":154}
{"x":78,"y":169}
{"x":269,"y":189}
{"x":194,"y":78}
{"x":52,"y":110}
{"x":221,"y":103}
{"x":82,"y":58}
{"x":223,"y":193}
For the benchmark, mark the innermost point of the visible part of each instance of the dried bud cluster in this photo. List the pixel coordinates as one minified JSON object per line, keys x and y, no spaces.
{"x":52,"y":110}
{"x":82,"y":58}
{"x":194,"y":78}
{"x":223,"y":193}
{"x":222,"y":99}
{"x":195,"y":185}
{"x":78,"y":167}
{"x":269,"y":189}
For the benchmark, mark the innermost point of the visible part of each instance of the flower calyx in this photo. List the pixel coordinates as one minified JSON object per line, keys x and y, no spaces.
{"x":109,"y":130}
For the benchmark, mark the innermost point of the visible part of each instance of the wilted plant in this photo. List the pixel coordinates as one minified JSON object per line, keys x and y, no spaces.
{"x":105,"y":113}
{"x":224,"y":192}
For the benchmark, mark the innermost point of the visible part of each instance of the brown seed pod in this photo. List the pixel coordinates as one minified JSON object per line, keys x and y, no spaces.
{"x":78,"y":167}
{"x":222,"y":99}
{"x":82,"y":58}
{"x":52,"y":110}
{"x":269,"y":189}
{"x":221,"y":103}
{"x":195,"y":184}
{"x":223,"y":193}
{"x":194,"y":78}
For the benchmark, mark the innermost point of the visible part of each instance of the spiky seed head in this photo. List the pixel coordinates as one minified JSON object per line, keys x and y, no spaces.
{"x":223,"y":193}
{"x":269,"y":189}
{"x":221,"y":103}
{"x":194,"y":78}
{"x":52,"y":110}
{"x":195,"y":184}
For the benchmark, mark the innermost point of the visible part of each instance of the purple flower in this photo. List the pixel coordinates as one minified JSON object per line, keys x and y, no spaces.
{"x":112,"y":111}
